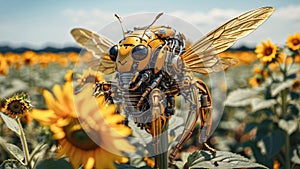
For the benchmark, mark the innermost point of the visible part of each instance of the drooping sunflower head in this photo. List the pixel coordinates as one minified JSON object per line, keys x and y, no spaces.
{"x":293,"y":41}
{"x":259,"y":76}
{"x":266,"y":52}
{"x":17,"y":106}
{"x":255,"y":81}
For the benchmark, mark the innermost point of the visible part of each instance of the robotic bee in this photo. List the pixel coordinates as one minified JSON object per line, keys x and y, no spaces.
{"x":153,"y":64}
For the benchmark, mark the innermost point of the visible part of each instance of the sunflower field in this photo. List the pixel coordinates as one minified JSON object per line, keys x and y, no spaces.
{"x":39,"y":126}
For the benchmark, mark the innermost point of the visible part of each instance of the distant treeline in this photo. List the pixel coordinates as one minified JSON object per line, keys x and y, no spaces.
{"x":5,"y":49}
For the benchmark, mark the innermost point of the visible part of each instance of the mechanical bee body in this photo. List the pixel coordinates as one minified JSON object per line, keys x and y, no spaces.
{"x":154,"y":64}
{"x":145,"y":60}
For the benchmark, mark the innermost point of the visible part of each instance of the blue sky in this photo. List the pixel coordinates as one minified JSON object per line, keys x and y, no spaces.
{"x":41,"y":23}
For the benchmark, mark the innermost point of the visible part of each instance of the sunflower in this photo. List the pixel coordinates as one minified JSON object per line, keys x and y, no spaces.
{"x":3,"y":66}
{"x":86,"y":141}
{"x":261,"y":72}
{"x":17,"y":106}
{"x":10,"y":58}
{"x":297,"y":58}
{"x":73,"y":57}
{"x":45,"y":59}
{"x":29,"y":58}
{"x":293,"y":41}
{"x":254,"y":81}
{"x":63,"y":61}
{"x":258,"y":77}
{"x":266,"y":52}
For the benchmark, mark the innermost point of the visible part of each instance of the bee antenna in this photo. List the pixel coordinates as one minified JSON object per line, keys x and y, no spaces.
{"x":156,"y":18}
{"x":120,"y":20}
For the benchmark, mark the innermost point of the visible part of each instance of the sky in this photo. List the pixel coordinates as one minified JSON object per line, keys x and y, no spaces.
{"x":48,"y":23}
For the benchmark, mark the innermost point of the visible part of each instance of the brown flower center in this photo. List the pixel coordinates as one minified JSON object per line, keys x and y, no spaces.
{"x":296,"y":42}
{"x":268,"y":51}
{"x":16,"y":107}
{"x":76,"y":135}
{"x":27,"y":61}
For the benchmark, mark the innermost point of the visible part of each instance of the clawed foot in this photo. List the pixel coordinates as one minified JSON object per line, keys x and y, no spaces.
{"x":207,"y":147}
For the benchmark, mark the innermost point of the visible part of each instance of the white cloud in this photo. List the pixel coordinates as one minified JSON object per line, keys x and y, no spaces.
{"x":207,"y":18}
{"x":283,"y":22}
{"x":205,"y":21}
{"x":93,"y":19}
{"x":289,"y":13}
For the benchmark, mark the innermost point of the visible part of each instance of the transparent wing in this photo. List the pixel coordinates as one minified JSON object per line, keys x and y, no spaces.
{"x":98,"y":46}
{"x":202,"y":57}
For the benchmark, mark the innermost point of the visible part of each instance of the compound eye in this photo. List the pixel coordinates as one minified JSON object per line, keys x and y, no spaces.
{"x":139,"y":52}
{"x":113,"y":53}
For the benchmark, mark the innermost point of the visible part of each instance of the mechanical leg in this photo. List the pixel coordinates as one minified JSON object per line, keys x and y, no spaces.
{"x":205,"y":115}
{"x":200,"y":105}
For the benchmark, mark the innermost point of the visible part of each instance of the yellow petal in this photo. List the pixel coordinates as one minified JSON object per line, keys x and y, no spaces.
{"x":89,"y":160}
{"x":58,"y":93}
{"x":45,"y":117}
{"x":114,"y":119}
{"x":77,"y":158}
{"x":61,"y":122}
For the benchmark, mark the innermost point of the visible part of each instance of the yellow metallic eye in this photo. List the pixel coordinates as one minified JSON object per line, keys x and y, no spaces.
{"x":139,"y":52}
{"x":113,"y":53}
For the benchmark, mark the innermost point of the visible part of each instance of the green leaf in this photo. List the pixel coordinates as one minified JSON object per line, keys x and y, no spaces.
{"x":222,"y":159}
{"x":259,"y":104}
{"x":11,"y":164}
{"x":184,"y":157}
{"x":11,"y":123}
{"x":273,"y":143}
{"x":296,"y":155}
{"x":283,"y":85}
{"x":241,"y":97}
{"x":54,"y":164}
{"x":179,"y":164}
{"x":250,"y":126}
{"x":289,"y":126}
{"x":126,"y":166}
{"x":36,"y":150}
{"x":12,"y":149}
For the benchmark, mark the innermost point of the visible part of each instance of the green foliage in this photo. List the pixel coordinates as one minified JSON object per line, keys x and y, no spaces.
{"x":11,"y":123}
{"x":126,"y":166}
{"x":12,"y":149}
{"x":54,"y":164}
{"x":222,"y":159}
{"x":271,"y":128}
{"x":23,"y":157}
{"x":12,"y":164}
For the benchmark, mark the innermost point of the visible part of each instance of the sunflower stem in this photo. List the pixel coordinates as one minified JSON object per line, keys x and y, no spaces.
{"x":24,"y":144}
{"x":163,"y":157}
{"x":285,"y":115}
